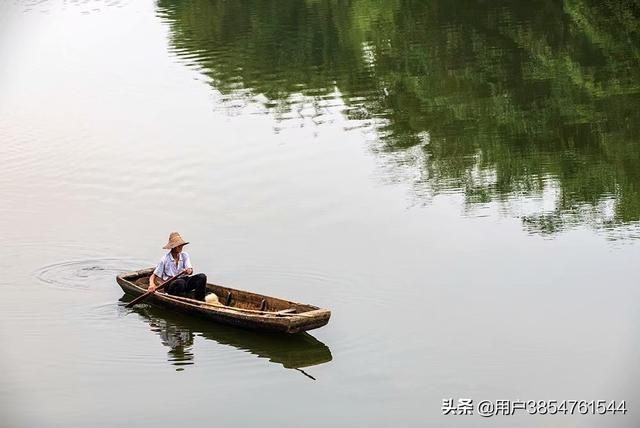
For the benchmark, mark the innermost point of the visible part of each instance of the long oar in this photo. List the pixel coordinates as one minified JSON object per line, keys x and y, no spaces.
{"x":149,"y":293}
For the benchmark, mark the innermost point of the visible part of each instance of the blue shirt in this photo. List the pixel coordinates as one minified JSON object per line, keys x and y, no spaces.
{"x":167,"y":266}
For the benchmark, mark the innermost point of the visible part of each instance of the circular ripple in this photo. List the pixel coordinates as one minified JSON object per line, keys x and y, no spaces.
{"x":84,"y":274}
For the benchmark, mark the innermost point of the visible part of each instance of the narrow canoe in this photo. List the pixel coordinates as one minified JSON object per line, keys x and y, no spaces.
{"x":239,"y":308}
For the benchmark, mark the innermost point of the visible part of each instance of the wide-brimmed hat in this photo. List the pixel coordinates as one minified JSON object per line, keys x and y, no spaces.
{"x":175,"y":240}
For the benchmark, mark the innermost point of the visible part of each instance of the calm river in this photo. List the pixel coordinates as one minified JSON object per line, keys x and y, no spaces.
{"x":457,"y":181}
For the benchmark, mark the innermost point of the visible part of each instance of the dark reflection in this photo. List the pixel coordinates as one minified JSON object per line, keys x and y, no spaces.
{"x":178,"y":339}
{"x":498,"y":100}
{"x":177,"y":332}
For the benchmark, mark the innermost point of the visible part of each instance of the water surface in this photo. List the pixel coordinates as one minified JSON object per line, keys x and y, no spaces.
{"x":458,"y":182}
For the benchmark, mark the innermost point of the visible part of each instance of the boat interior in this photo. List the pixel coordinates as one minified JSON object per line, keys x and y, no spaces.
{"x":238,"y":298}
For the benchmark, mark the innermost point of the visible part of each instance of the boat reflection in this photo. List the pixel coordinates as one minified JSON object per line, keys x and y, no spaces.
{"x":177,"y":331}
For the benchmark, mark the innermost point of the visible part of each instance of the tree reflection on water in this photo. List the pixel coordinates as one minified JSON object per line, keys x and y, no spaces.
{"x":497,"y":101}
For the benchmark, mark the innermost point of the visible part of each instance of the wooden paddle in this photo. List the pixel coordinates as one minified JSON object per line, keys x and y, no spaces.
{"x":148,"y":293}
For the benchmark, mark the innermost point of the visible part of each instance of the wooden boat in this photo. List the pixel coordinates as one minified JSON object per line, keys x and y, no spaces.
{"x":239,"y":308}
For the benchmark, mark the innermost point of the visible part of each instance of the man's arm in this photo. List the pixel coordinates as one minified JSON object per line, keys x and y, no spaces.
{"x":188,"y":268}
{"x":157,"y":273}
{"x":152,"y":282}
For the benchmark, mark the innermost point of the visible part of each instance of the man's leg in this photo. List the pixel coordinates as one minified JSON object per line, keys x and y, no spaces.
{"x":177,"y":287}
{"x":197,"y":282}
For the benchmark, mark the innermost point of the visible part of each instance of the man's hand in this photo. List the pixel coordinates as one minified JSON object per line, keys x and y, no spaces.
{"x":152,"y":283}
{"x":188,"y":271}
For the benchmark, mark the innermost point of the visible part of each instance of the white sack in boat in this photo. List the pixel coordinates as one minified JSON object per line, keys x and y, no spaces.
{"x":212,"y":299}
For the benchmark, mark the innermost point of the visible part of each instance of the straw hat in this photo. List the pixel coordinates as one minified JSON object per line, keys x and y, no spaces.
{"x":175,"y":240}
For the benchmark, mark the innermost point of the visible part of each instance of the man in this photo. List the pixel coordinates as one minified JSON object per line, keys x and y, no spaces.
{"x":174,"y":262}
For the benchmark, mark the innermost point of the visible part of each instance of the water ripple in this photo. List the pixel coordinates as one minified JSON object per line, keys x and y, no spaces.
{"x":81,"y":274}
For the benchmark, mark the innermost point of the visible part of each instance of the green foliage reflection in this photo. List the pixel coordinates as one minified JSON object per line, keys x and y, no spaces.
{"x":503,"y":99}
